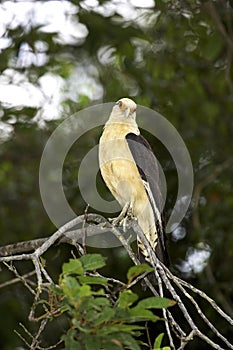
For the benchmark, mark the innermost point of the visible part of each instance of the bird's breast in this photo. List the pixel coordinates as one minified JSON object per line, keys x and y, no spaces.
{"x":119,"y":170}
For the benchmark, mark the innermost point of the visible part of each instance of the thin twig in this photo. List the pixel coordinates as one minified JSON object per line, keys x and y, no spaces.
{"x":186,"y":340}
{"x":148,"y":336}
{"x":18,"y":279}
{"x":219,"y":294}
{"x":35,"y":341}
{"x":205,"y":319}
{"x":204,"y":296}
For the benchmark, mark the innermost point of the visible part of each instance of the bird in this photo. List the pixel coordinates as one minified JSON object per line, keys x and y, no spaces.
{"x":130,"y":170}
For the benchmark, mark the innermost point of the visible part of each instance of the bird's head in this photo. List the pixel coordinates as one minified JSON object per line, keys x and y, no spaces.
{"x":126,"y":107}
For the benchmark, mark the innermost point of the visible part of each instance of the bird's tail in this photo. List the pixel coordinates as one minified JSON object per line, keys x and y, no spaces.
{"x":156,"y":236}
{"x":160,"y":249}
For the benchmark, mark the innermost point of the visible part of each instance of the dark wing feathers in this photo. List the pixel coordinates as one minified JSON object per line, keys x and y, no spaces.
{"x":148,"y":168}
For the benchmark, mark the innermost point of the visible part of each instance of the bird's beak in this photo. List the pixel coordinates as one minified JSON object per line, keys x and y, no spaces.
{"x":127,"y":112}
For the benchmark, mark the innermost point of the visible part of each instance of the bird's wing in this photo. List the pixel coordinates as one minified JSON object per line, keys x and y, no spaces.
{"x":148,"y":168}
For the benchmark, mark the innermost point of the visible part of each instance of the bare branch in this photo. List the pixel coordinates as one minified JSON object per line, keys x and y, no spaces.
{"x":204,"y":296}
{"x":22,"y":278}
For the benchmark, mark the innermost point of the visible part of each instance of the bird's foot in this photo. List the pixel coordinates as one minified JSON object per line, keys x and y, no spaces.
{"x":117,"y":220}
{"x":114,"y":221}
{"x":124,"y":223}
{"x":125,"y":215}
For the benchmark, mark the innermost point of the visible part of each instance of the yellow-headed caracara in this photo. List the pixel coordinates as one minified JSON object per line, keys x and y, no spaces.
{"x":130,"y":171}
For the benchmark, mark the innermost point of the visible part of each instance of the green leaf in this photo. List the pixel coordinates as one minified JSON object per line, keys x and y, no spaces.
{"x":127,"y":298}
{"x":92,"y":342}
{"x":156,"y":303}
{"x":74,"y":266}
{"x":137,"y":270}
{"x":109,"y":329}
{"x":93,"y":280}
{"x":158,"y":341}
{"x":128,"y":341}
{"x":138,"y":314}
{"x":100,"y":302}
{"x":70,"y":286}
{"x":85,"y":291}
{"x":70,"y":343}
{"x":92,"y":262}
{"x":99,"y":292}
{"x":106,"y":315}
{"x":113,"y":346}
{"x":111,"y":342}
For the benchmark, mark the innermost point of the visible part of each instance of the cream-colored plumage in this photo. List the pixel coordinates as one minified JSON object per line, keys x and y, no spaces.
{"x":120,"y":172}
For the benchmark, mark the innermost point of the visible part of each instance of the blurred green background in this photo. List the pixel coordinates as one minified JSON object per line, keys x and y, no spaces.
{"x":57,"y":57}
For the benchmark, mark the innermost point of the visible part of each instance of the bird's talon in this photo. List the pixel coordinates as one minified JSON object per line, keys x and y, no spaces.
{"x":123,"y":223}
{"x":114,"y":221}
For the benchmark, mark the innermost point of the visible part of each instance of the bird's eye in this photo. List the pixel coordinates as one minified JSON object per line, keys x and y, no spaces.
{"x":119,"y":103}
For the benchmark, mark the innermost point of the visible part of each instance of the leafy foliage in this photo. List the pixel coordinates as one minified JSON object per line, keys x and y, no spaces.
{"x":100,"y":316}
